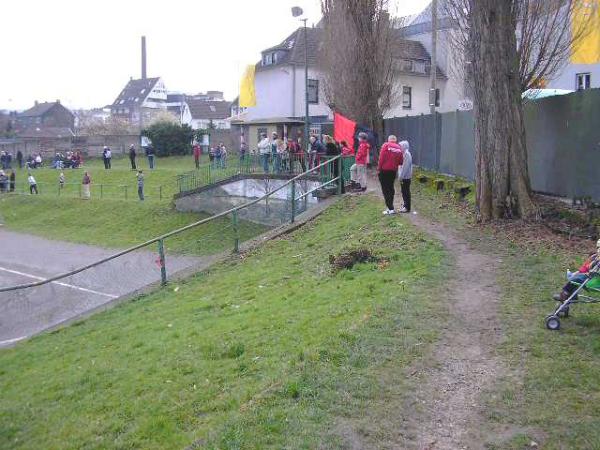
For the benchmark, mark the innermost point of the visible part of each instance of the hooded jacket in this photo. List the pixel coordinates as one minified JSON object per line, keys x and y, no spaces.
{"x":390,"y":157}
{"x":405,"y":171}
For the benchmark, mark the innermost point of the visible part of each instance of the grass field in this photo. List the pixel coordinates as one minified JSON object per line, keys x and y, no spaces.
{"x":271,"y":350}
{"x":553,"y":394}
{"x":113,"y":221}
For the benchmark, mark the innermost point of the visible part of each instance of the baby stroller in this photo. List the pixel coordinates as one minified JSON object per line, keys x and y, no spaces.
{"x":585,"y":289}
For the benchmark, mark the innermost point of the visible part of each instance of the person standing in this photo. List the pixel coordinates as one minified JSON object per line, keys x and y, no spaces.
{"x":197,"y":153}
{"x":405,"y":175}
{"x":264,"y":149}
{"x":243,"y":151}
{"x":12,"y":178}
{"x":358,"y":171}
{"x":150,"y":156}
{"x":86,"y":182}
{"x":108,"y":158}
{"x":223,"y":155}
{"x":3,"y":181}
{"x":20,"y":159}
{"x":132,"y":156}
{"x":32,"y":184}
{"x":104,"y":157}
{"x":140,"y":184}
{"x":390,"y":158}
{"x":61,"y":181}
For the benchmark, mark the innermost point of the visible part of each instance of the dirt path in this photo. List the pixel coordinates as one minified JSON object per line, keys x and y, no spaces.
{"x":448,"y":408}
{"x":465,"y":360}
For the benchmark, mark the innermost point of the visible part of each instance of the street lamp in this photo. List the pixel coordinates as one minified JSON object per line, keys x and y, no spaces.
{"x":297,"y":12}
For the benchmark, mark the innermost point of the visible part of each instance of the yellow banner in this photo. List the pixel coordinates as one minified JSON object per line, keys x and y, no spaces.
{"x":247,"y":92}
{"x":587,"y":49}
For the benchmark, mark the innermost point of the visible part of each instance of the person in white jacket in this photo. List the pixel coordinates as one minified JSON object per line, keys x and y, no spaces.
{"x":264,"y":150}
{"x":405,"y":175}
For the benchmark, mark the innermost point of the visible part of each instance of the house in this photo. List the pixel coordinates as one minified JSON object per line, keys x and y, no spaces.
{"x":178,"y":106}
{"x":209,"y":95}
{"x":280,"y":90}
{"x":140,"y":100}
{"x":207,"y":114}
{"x":46,"y":115}
{"x":571,"y":77}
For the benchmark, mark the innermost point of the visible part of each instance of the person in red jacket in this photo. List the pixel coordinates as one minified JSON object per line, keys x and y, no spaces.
{"x":358,"y":171}
{"x":390,"y":158}
{"x":197,"y":153}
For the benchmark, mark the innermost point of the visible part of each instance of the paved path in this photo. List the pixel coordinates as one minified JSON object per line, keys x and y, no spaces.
{"x":25,"y":259}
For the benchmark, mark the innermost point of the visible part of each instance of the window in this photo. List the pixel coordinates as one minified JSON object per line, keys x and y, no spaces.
{"x":419,"y":66}
{"x":274,"y":58}
{"x":584,"y":81}
{"x":142,"y":91}
{"x":406,"y":97}
{"x":212,"y":108}
{"x":407,"y":65}
{"x":268,"y":59}
{"x":313,"y":91}
{"x":121,"y":102}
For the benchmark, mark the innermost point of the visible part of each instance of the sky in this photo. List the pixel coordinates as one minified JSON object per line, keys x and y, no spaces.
{"x":83,"y":52}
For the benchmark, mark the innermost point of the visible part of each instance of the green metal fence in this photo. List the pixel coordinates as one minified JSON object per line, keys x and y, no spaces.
{"x":97,"y":190}
{"x":329,"y":178}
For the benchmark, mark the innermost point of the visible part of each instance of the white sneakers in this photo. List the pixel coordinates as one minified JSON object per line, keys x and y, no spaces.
{"x":403,"y":210}
{"x":389,"y":212}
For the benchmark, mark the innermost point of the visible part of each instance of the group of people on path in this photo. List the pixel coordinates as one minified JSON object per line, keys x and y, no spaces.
{"x":395,"y":161}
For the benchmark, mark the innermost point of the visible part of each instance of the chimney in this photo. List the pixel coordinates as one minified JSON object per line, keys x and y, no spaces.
{"x":58,"y":101}
{"x":143,"y":57}
{"x":35,"y":103}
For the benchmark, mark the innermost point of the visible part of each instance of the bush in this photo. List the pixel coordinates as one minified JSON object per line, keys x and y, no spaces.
{"x":170,"y":138}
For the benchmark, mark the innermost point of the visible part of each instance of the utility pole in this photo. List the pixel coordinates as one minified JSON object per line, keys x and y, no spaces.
{"x":306,"y":111}
{"x":433,"y":73}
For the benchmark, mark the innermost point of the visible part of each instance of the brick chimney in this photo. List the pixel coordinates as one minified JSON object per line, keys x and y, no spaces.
{"x":35,"y":103}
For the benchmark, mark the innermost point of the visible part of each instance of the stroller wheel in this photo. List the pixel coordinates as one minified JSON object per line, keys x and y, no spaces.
{"x":552,"y":323}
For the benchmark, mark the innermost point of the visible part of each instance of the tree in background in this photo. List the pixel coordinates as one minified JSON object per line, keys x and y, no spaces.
{"x":357,"y":59}
{"x":510,"y":46}
{"x":169,"y":138}
{"x":112,"y":126}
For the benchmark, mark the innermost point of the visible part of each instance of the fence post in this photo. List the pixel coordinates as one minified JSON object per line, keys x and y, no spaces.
{"x":293,"y":202}
{"x":161,"y":259}
{"x":236,"y":232}
{"x":160,"y":192}
{"x":340,"y":173}
{"x":101,"y":190}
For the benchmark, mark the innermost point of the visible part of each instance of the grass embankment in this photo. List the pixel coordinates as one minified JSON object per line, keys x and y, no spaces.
{"x":113,"y":221}
{"x":271,"y":350}
{"x":553,"y":395}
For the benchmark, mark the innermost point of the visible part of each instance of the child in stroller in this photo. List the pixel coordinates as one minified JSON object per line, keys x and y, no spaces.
{"x":585,"y":281}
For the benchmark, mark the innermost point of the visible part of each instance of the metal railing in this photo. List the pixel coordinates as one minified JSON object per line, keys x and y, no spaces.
{"x":98,"y":190}
{"x":328,"y":167}
{"x":288,"y":164}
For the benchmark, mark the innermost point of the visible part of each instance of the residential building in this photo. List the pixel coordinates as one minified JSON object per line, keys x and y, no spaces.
{"x":280,"y":90}
{"x":209,"y":114}
{"x":140,"y":101}
{"x":178,"y":106}
{"x":45,"y":115}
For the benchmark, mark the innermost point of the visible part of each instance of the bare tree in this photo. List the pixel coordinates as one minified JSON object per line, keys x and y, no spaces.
{"x":111,"y":126}
{"x":511,"y":46}
{"x":357,"y":59}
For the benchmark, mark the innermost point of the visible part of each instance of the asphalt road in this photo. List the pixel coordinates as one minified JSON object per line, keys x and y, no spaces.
{"x":25,"y":259}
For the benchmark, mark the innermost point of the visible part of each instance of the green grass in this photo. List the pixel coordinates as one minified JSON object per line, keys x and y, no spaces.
{"x":271,"y":350}
{"x":113,"y":221}
{"x":552,"y":394}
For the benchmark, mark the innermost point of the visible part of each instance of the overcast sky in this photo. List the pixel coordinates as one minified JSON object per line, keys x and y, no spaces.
{"x":83,"y":52}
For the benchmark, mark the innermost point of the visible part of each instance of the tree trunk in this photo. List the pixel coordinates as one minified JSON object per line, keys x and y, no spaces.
{"x":502,"y":178}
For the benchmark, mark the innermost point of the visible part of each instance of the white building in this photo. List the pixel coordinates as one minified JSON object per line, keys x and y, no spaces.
{"x":140,"y":100}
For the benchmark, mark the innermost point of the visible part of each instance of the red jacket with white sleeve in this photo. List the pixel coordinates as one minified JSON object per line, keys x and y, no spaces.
{"x":390,"y":157}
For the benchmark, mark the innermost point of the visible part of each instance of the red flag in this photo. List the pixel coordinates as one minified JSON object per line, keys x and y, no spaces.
{"x":343,"y":129}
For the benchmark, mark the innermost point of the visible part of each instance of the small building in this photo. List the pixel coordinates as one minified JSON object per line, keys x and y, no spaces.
{"x":46,"y":115}
{"x":140,"y":100}
{"x":177,"y":105}
{"x":209,"y":114}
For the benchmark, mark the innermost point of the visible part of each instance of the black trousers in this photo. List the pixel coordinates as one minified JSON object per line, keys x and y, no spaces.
{"x":133,"y":166}
{"x":387,"y":179}
{"x":405,"y":187}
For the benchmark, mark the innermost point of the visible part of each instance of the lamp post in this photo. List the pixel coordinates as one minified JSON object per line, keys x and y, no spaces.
{"x":297,"y":12}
